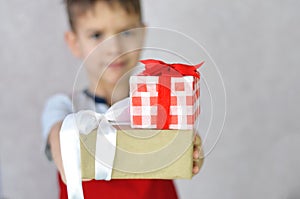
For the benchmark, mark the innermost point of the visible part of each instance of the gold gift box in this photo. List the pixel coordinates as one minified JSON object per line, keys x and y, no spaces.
{"x":143,"y":154}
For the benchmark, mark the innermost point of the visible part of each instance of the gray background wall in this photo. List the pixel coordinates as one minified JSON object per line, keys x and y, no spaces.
{"x":256,"y":46}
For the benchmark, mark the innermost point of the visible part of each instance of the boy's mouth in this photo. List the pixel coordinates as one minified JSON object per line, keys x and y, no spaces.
{"x":118,"y":64}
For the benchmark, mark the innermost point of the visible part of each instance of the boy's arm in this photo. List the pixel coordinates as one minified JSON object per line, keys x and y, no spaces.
{"x":54,"y":142}
{"x":56,"y":109}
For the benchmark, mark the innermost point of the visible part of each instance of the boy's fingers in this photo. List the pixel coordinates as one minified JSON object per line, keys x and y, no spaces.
{"x":196,"y":167}
{"x":195,"y":170}
{"x":197,"y":159}
{"x":197,"y":140}
{"x":196,"y":154}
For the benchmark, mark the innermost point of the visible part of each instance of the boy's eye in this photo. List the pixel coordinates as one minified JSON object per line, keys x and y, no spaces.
{"x":96,"y":35}
{"x":127,"y":33}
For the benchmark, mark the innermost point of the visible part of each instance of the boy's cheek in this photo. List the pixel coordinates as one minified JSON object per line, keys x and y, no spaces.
{"x":87,"y":50}
{"x":85,"y":46}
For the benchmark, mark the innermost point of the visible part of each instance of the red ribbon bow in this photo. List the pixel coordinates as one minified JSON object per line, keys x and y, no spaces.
{"x":165,"y":72}
{"x":158,"y":68}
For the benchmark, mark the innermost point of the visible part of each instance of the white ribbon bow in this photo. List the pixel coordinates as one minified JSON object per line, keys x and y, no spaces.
{"x":85,"y":122}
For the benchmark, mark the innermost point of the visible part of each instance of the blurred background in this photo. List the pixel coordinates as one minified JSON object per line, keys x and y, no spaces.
{"x":256,"y":47}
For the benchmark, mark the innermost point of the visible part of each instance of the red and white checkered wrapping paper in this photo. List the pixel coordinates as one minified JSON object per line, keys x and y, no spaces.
{"x":184,"y":107}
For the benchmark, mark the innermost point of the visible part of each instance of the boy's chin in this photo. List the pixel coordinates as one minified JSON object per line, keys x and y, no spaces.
{"x":116,"y":74}
{"x":115,"y":79}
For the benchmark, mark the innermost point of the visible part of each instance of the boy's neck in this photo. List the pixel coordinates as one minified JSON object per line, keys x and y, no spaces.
{"x":110,"y":93}
{"x":101,"y":92}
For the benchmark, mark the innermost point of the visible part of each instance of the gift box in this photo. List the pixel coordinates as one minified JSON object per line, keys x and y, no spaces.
{"x":93,"y":146}
{"x":165,"y":96}
{"x":143,"y":154}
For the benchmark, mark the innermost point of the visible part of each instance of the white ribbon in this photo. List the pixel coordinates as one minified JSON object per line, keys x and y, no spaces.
{"x":85,"y":122}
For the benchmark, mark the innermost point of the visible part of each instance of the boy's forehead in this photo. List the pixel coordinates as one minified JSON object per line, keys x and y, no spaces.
{"x":106,"y":15}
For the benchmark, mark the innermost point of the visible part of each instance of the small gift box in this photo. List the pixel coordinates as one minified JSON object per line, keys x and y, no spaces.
{"x":165,"y":96}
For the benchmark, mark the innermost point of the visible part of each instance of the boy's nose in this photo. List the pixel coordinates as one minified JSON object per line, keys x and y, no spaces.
{"x":114,"y":46}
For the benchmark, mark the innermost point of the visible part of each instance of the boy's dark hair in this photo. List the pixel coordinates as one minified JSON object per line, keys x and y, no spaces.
{"x":78,"y":7}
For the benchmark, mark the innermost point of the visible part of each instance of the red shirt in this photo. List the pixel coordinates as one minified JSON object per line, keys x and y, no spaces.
{"x":124,"y":188}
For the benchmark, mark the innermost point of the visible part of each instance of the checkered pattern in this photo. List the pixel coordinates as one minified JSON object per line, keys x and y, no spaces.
{"x":185,"y":103}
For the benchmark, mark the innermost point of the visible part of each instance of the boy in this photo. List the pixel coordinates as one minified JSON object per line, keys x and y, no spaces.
{"x":91,"y":23}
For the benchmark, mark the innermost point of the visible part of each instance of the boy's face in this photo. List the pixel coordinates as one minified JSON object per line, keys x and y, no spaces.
{"x":109,"y":61}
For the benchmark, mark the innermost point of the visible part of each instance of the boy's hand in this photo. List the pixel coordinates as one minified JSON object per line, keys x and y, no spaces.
{"x":197,"y":155}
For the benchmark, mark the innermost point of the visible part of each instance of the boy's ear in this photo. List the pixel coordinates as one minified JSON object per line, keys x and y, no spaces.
{"x":72,"y":41}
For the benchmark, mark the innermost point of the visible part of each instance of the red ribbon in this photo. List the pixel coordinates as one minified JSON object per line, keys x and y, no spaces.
{"x":165,"y":72}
